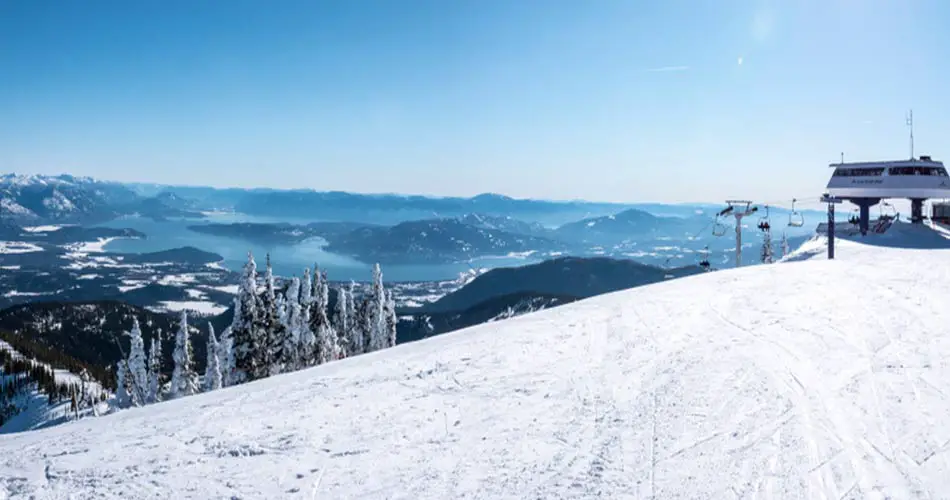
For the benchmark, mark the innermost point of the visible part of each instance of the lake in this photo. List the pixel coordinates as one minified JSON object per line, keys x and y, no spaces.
{"x":287,"y":260}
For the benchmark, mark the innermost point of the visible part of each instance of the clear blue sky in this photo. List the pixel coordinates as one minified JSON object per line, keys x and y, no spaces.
{"x":673,"y":100}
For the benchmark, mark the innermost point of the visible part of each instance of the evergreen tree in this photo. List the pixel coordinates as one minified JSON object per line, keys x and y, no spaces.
{"x":306,"y":340}
{"x":367,"y":324}
{"x":354,"y":323}
{"x":225,"y":358}
{"x":306,"y":289}
{"x":212,"y":379}
{"x":325,"y":340}
{"x":138,"y":381}
{"x":245,"y":329}
{"x":122,"y":399}
{"x":340,"y":323}
{"x":767,"y":247}
{"x":270,"y":326}
{"x":291,"y":321}
{"x":184,"y":378}
{"x":155,"y":370}
{"x":376,"y":322}
{"x":391,"y":320}
{"x":784,"y":246}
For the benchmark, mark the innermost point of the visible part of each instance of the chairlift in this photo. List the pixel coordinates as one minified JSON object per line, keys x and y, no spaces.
{"x":764,"y":224}
{"x":795,"y":219}
{"x":704,"y":263}
{"x":887,"y":211}
{"x":854,"y":220}
{"x":719,"y":229}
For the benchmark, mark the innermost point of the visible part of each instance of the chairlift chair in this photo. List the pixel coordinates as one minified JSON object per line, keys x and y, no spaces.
{"x":854,"y":220}
{"x":704,"y":263}
{"x":795,"y":219}
{"x":764,"y":224}
{"x":719,"y":229}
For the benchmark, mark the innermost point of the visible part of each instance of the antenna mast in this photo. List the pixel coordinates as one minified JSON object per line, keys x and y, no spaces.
{"x":910,"y":125}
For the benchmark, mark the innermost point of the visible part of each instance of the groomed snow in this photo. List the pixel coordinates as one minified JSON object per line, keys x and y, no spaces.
{"x":811,"y":379}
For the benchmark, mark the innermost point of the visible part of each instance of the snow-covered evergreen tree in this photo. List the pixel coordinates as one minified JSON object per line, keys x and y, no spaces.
{"x":155,"y":370}
{"x":767,"y":247}
{"x":340,"y":319}
{"x":784,"y":245}
{"x":270,"y":326}
{"x":138,"y":370}
{"x":245,"y":328}
{"x":376,"y":322}
{"x":367,"y":323}
{"x":122,"y":399}
{"x":354,"y":323}
{"x":391,"y":321}
{"x":306,"y":288}
{"x":225,"y":359}
{"x":184,"y":377}
{"x":325,"y":339}
{"x":212,"y":379}
{"x":291,"y":320}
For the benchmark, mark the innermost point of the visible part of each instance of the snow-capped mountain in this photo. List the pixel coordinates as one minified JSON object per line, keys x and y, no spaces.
{"x":628,"y":224}
{"x":66,"y":198}
{"x":506,"y":223}
{"x":811,"y":379}
{"x":435,"y":241}
{"x":60,"y":198}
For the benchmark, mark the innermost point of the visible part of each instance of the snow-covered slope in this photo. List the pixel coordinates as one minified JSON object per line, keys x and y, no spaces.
{"x":811,"y":379}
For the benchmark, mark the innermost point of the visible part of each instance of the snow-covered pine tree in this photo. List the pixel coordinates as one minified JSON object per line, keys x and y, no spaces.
{"x":122,"y":399}
{"x":291,"y":320}
{"x":184,"y":378}
{"x":767,"y":247}
{"x":340,"y":318}
{"x":306,"y":288}
{"x":271,"y":328}
{"x":306,"y":339}
{"x":354,"y":323}
{"x":784,"y":245}
{"x":212,"y":378}
{"x":138,"y":380}
{"x":377,"y":321}
{"x":225,"y":359}
{"x":155,"y":370}
{"x":367,"y":323}
{"x":245,"y":328}
{"x":391,"y":320}
{"x":325,"y":339}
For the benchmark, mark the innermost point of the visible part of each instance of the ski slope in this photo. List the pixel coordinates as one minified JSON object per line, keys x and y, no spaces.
{"x":806,"y":379}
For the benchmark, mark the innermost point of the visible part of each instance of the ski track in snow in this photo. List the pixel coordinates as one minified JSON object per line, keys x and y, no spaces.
{"x":810,"y":379}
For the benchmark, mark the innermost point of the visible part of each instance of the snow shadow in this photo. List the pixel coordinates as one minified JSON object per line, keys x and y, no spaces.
{"x":905,"y":235}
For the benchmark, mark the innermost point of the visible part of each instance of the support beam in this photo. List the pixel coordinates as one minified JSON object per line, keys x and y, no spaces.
{"x":831,"y":201}
{"x":864,"y":205}
{"x":917,"y":210}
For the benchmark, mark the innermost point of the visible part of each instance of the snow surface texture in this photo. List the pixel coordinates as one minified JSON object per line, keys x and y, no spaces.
{"x":811,"y":379}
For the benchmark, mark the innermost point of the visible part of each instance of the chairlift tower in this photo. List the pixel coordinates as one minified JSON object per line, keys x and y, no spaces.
{"x":831,"y":201}
{"x":736,"y":209}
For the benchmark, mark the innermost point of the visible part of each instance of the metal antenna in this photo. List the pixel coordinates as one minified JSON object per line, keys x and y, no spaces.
{"x":739,"y":214}
{"x":910,"y":124}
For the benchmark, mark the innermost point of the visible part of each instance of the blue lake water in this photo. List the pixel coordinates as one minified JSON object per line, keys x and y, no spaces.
{"x":287,"y":260}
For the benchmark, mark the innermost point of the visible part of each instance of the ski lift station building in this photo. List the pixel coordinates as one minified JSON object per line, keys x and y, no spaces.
{"x":867,"y":183}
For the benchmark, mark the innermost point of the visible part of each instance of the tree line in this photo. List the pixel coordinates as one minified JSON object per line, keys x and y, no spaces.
{"x":273,"y":331}
{"x":21,"y":374}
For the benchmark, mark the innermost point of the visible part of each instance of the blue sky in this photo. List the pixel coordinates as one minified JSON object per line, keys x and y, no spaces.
{"x":679,"y":100}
